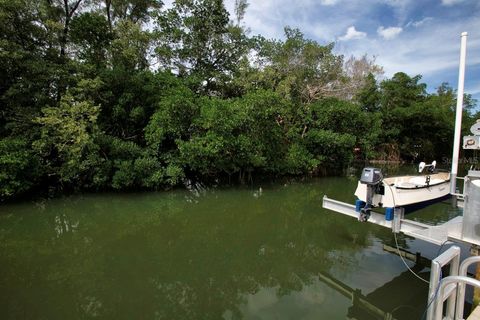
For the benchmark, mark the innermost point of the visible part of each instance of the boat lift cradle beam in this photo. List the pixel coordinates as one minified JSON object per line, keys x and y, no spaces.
{"x":451,"y":230}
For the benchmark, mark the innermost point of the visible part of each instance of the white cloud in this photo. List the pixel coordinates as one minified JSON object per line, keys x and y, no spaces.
{"x":451,"y":2}
{"x":419,"y":23}
{"x":352,"y":34}
{"x":428,"y":46}
{"x":390,"y":32}
{"x":432,"y":52}
{"x":324,"y":32}
{"x":401,"y":8}
{"x":329,"y":2}
{"x":269,"y":17}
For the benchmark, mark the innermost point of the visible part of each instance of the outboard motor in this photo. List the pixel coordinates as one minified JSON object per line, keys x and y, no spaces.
{"x":372,"y":177}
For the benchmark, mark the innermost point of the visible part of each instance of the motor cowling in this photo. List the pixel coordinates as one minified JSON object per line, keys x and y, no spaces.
{"x":372,"y":177}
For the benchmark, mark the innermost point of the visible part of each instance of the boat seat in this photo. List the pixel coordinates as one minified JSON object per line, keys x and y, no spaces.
{"x":406,"y":185}
{"x":418,"y":181}
{"x":421,"y":181}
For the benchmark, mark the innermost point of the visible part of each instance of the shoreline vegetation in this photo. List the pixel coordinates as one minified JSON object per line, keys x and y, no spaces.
{"x":129,"y":95}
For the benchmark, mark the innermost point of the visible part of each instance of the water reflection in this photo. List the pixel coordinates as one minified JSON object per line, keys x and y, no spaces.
{"x":228,"y":254}
{"x":324,"y":297}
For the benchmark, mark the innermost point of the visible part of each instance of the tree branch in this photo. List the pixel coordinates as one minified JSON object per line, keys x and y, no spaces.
{"x":74,"y":8}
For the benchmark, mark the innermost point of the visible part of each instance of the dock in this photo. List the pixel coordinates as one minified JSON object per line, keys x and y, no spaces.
{"x":446,"y":293}
{"x":475,"y":315}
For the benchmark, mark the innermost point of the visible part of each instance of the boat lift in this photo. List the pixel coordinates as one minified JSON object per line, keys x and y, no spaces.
{"x":438,"y":234}
{"x":463,"y":229}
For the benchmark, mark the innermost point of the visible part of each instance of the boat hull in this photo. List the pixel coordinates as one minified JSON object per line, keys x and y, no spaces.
{"x":409,"y":192}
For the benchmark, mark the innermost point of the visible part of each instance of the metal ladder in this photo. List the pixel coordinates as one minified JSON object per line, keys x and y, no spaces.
{"x":450,"y":289}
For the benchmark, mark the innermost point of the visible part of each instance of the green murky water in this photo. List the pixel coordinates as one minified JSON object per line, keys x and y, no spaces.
{"x":234,"y":253}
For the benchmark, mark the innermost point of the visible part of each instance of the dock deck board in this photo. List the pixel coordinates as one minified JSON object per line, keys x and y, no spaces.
{"x":475,"y":315}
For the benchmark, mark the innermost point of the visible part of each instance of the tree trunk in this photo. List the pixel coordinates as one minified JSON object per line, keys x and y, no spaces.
{"x":69,"y":12}
{"x":108,"y":5}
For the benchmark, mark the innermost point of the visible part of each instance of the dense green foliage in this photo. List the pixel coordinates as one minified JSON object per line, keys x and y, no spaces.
{"x":126,"y":94}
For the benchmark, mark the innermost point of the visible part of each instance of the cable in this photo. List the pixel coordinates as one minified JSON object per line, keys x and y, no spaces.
{"x":433,"y":298}
{"x":413,"y":272}
{"x":396,"y":242}
{"x":438,"y":286}
{"x":405,"y":263}
{"x":441,"y":246}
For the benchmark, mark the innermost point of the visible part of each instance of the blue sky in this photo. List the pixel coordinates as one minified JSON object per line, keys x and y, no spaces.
{"x":413,"y":36}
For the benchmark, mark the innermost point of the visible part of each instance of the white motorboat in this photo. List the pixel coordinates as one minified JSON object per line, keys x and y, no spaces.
{"x":409,"y":192}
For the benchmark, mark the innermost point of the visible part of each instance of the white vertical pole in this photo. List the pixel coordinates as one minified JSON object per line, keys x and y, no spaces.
{"x":458,"y":117}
